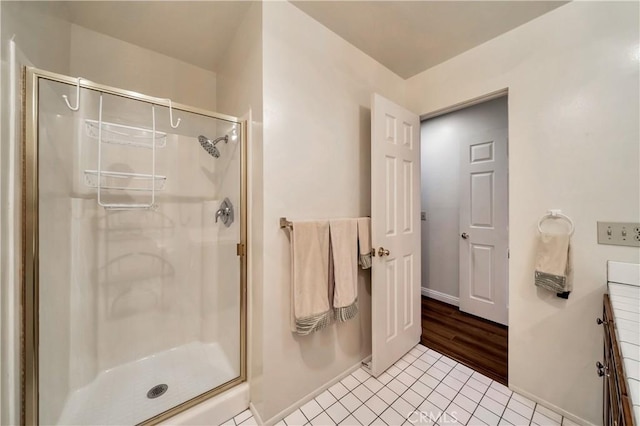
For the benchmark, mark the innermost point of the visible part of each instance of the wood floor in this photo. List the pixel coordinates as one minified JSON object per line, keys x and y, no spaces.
{"x":473,"y":341}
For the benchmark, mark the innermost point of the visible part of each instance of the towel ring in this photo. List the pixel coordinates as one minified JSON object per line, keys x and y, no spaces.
{"x":556,"y":214}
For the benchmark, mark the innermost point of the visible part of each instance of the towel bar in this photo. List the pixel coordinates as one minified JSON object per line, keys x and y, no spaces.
{"x":284,"y":223}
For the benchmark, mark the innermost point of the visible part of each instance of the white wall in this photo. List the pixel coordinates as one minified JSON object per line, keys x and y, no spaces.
{"x":199,"y":296}
{"x":239,"y":91}
{"x":573,"y":86}
{"x":114,"y":62}
{"x":53,"y":44}
{"x":440,"y":142}
{"x":317,"y":92}
{"x":42,"y":39}
{"x":55,"y":176}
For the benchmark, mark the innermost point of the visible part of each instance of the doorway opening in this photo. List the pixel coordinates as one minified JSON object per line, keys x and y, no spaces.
{"x":464,"y":218}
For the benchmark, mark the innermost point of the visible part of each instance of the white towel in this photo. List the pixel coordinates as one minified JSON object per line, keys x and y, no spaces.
{"x":553,"y":262}
{"x":344,"y":249}
{"x":310,"y":309}
{"x":364,"y":241}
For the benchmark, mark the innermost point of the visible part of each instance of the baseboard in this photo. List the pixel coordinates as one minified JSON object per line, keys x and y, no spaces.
{"x":256,"y":414}
{"x":293,"y":407}
{"x":442,"y":297}
{"x":551,"y":407}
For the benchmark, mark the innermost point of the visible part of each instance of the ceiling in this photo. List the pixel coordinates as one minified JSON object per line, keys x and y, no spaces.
{"x":405,"y":36}
{"x":410,"y":36}
{"x":197,"y":32}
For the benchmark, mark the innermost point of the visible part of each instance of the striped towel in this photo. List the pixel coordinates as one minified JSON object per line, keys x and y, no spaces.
{"x":344,"y":251}
{"x":310,"y":309}
{"x":553,"y":263}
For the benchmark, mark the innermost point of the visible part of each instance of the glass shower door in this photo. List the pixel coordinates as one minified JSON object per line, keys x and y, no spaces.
{"x":140,"y":282}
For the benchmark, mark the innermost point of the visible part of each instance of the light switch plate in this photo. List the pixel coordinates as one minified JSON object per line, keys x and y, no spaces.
{"x":619,"y":233}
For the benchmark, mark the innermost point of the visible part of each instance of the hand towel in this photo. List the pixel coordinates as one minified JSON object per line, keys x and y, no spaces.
{"x":310,"y":309}
{"x":344,"y":249}
{"x":553,"y":263}
{"x":364,"y":241}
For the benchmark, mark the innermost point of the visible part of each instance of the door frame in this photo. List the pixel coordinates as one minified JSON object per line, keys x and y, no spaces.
{"x":469,"y":103}
{"x":465,"y":104}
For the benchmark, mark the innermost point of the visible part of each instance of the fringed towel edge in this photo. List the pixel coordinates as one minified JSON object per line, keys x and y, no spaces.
{"x":308,"y":325}
{"x":554,"y":283}
{"x":346,"y":312}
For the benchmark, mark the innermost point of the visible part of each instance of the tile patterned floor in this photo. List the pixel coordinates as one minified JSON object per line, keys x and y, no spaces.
{"x":423,"y":388}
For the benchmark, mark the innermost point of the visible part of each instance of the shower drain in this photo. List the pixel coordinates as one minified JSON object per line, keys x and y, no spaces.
{"x":156,"y":391}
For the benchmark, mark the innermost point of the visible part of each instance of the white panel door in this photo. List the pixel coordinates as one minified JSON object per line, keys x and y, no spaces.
{"x":484,"y":226}
{"x":395,"y":221}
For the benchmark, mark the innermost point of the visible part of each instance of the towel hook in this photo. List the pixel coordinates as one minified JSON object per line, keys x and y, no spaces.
{"x":66,"y":98}
{"x":556,"y":214}
{"x":174,"y":126}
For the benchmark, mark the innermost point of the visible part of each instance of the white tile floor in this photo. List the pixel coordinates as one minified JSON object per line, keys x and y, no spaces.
{"x":423,"y":388}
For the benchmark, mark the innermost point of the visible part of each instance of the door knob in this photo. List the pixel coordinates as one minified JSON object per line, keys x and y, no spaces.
{"x":465,"y":235}
{"x":383,"y":252}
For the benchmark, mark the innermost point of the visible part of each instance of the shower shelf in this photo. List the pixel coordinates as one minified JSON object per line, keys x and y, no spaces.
{"x":125,"y":135}
{"x":124,"y":181}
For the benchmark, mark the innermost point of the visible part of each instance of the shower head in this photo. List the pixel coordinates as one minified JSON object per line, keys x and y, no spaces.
{"x":210,"y":145}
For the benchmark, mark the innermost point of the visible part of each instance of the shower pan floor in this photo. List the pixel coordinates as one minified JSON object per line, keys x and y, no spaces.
{"x":118,"y":396}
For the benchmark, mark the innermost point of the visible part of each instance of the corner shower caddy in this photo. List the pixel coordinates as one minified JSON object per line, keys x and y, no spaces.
{"x":113,"y":133}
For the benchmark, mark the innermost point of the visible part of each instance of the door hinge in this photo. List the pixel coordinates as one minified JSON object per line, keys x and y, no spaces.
{"x":240,"y":250}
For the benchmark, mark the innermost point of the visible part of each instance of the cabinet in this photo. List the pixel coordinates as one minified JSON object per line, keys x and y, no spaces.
{"x":617,"y":403}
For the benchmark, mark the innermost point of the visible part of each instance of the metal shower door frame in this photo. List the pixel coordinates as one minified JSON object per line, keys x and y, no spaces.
{"x":29,"y":344}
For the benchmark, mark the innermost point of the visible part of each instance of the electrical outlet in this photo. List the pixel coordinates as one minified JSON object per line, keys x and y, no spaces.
{"x":619,"y":233}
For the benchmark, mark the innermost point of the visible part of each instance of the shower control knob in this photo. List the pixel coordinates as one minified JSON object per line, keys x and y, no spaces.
{"x":225,"y":213}
{"x":222,"y":212}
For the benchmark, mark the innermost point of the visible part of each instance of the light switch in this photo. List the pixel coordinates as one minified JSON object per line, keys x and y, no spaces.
{"x":619,"y":233}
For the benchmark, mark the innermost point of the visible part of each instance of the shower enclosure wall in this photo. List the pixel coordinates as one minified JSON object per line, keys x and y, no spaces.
{"x":135,"y":267}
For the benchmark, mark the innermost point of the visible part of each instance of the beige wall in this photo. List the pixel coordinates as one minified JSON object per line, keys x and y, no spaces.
{"x":317,"y":91}
{"x":73,"y":50}
{"x":573,"y":86}
{"x":55,"y":177}
{"x":114,"y":62}
{"x":239,"y":91}
{"x":42,"y":39}
{"x":573,"y":83}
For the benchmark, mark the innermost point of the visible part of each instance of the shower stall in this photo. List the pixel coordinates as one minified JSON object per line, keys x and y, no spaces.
{"x":135,"y":254}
